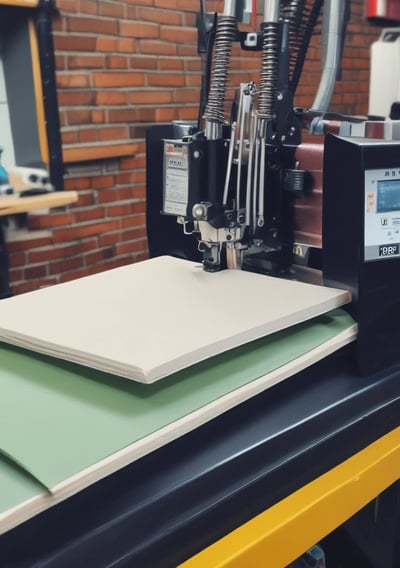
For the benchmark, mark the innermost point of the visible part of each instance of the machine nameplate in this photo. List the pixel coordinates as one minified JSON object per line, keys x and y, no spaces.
{"x":176,"y":178}
{"x":382,"y":214}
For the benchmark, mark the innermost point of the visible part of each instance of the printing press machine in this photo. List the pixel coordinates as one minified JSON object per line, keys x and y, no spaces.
{"x":315,"y":458}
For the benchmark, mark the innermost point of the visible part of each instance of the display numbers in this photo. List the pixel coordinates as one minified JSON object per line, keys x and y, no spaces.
{"x":388,"y":250}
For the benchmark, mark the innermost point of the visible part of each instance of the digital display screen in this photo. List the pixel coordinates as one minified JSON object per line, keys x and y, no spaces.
{"x":388,"y":197}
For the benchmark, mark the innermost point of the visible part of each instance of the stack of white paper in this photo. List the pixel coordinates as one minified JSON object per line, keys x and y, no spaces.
{"x":150,"y":319}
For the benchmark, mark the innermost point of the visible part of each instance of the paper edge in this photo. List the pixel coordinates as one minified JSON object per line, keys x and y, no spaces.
{"x":159,"y":372}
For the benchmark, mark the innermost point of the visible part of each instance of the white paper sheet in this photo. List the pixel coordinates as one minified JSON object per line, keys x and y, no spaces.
{"x":147,"y":320}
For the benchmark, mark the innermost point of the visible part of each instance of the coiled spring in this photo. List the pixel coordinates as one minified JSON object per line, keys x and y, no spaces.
{"x":224,"y":37}
{"x":269,"y":70}
{"x":303,"y":16}
{"x":291,"y":12}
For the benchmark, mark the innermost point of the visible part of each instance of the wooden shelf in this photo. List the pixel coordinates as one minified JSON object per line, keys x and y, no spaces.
{"x":98,"y":152}
{"x":12,"y":204}
{"x":20,"y":3}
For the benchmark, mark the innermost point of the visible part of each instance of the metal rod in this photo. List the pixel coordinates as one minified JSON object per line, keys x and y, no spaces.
{"x":250,"y":168}
{"x":260,"y":211}
{"x":229,"y":8}
{"x":271,"y":10}
{"x":232,"y":144}
{"x":241,"y":122}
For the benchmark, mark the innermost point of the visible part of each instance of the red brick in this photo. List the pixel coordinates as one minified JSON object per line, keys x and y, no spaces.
{"x":61,"y":266}
{"x":72,"y":80}
{"x":133,"y":221}
{"x":60,"y":62}
{"x":171,"y":64}
{"x":195,"y":81}
{"x":110,"y":239}
{"x":195,"y":65}
{"x":99,"y":255}
{"x":15,"y":275}
{"x":130,"y":246}
{"x":138,"y":176}
{"x":119,"y":210}
{"x":63,"y":118}
{"x":45,"y":254}
{"x":108,"y":195}
{"x":93,"y":25}
{"x":143,"y":62}
{"x":89,"y":214}
{"x":140,"y":256}
{"x":117,"y":79}
{"x":100,"y":182}
{"x":188,"y":113}
{"x":111,"y":98}
{"x":187,"y":5}
{"x":36,"y":271}
{"x":166,"y":80}
{"x":168,"y":4}
{"x":138,"y":207}
{"x":49,"y":221}
{"x":111,"y":9}
{"x":87,"y":135}
{"x":117,"y":62}
{"x":97,"y":117}
{"x":77,"y":183}
{"x":178,"y":34}
{"x":88,"y":6}
{"x":74,"y":275}
{"x":123,"y":178}
{"x":140,"y":2}
{"x":16,"y":259}
{"x":81,"y":116}
{"x":69,"y":6}
{"x":81,"y":231}
{"x":135,"y":233}
{"x":28,"y":244}
{"x":108,"y":265}
{"x":76,"y":98}
{"x":170,"y":17}
{"x":74,"y":42}
{"x":190,"y":21}
{"x":125,"y":45}
{"x":157,"y":47}
{"x":84,"y":198}
{"x":186,"y":50}
{"x":113,"y":133}
{"x":138,"y":161}
{"x":105,"y":44}
{"x":186,"y":96}
{"x":69,"y":137}
{"x":86,"y":61}
{"x":138,"y":29}
{"x":166,"y":114}
{"x":145,"y":114}
{"x":122,"y":115}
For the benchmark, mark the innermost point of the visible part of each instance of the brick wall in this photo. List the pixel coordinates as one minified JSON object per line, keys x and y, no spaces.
{"x":123,"y":65}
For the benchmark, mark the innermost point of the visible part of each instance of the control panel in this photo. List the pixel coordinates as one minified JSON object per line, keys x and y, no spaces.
{"x":382,"y":214}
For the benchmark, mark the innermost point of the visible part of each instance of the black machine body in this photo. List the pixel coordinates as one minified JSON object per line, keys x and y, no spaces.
{"x":361,"y":240}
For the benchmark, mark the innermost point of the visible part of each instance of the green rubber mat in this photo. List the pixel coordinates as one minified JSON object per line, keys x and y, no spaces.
{"x":59,"y":418}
